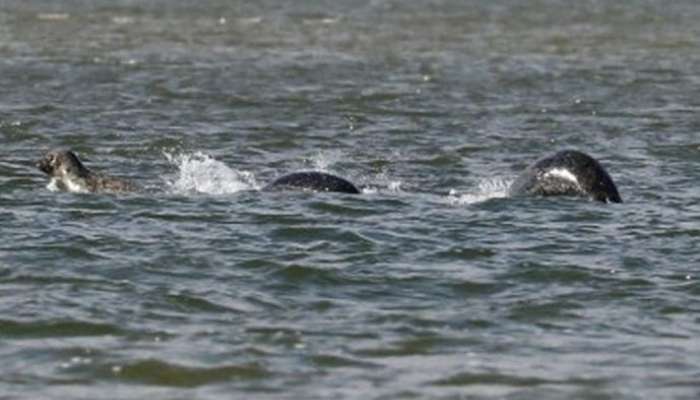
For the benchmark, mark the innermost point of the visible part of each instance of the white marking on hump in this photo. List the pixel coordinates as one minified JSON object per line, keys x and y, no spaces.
{"x":562,"y":174}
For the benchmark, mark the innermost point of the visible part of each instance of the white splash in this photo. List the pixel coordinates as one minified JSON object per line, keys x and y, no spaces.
{"x":390,"y":187}
{"x":490,"y":188}
{"x":67,"y":184}
{"x":75,"y":187}
{"x":53,"y":185}
{"x":394,"y":186}
{"x":383,"y":183}
{"x":323,"y":160}
{"x":200,"y":173}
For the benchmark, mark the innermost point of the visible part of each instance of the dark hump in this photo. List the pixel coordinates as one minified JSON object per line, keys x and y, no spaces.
{"x":592,"y":179}
{"x":313,"y":181}
{"x":73,"y":163}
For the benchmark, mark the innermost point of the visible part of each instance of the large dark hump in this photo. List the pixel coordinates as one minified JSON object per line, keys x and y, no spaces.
{"x":313,"y":181}
{"x":549,"y":176}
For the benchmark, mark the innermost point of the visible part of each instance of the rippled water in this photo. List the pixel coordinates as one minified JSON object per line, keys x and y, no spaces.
{"x":431,"y":283}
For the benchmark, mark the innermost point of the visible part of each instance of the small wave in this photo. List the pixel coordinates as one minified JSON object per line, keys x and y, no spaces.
{"x":200,"y":173}
{"x":491,"y":188}
{"x":58,"y":328}
{"x":162,"y":373}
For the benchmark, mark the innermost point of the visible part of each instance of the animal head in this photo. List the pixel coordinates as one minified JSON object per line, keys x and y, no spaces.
{"x":58,"y":163}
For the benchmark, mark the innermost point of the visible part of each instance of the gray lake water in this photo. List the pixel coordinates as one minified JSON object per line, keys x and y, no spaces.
{"x":431,"y":283}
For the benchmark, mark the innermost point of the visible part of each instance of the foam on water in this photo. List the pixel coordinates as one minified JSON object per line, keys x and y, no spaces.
{"x":200,"y":173}
{"x":489,"y":188}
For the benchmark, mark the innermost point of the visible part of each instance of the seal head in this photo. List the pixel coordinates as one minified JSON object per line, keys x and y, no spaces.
{"x":69,"y":174}
{"x":313,"y":181}
{"x":568,"y":172}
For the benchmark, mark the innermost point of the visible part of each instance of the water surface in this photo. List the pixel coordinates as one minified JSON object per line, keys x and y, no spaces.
{"x":431,"y":283}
